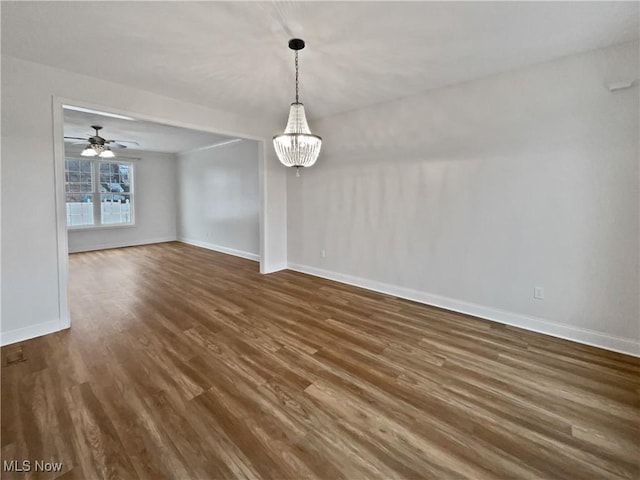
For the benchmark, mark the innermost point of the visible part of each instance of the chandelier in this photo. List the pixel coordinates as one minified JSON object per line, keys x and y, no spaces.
{"x":297,"y":146}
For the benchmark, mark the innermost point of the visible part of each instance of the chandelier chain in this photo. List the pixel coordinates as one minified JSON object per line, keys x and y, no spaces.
{"x":297,"y":77}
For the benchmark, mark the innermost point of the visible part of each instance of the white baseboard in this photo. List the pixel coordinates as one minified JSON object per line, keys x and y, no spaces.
{"x":105,"y":246}
{"x":274,"y":268}
{"x":568,"y":332}
{"x":32,"y":331}
{"x":230,"y":251}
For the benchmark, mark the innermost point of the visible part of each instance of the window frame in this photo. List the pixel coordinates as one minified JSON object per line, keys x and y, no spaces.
{"x":97,"y":194}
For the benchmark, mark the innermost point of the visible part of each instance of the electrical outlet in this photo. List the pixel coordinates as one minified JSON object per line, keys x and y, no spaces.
{"x":323,"y":253}
{"x":538,"y":293}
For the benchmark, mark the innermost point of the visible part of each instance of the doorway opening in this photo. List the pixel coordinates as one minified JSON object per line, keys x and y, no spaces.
{"x":135,"y":181}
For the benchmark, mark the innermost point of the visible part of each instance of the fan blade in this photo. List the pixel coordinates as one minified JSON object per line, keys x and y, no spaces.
{"x":116,"y":145}
{"x":76,"y":138}
{"x":125,"y":141}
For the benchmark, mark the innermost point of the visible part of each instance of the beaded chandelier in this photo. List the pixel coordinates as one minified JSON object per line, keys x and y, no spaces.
{"x":297,"y":146}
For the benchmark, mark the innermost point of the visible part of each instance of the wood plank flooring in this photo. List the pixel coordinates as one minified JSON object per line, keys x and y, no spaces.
{"x":186,"y":363}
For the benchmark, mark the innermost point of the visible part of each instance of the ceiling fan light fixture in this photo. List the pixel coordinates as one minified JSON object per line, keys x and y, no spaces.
{"x":98,"y":145}
{"x":89,"y":151}
{"x":297,"y":146}
{"x":106,"y":153}
{"x":98,"y":148}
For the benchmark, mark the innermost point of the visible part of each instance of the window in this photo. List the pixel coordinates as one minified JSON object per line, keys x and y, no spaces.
{"x":98,"y":192}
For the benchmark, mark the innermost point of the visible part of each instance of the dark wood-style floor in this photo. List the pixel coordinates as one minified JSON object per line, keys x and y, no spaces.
{"x":186,"y":363}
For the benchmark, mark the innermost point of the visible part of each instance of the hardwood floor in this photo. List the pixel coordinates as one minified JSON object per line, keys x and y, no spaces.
{"x":186,"y":363}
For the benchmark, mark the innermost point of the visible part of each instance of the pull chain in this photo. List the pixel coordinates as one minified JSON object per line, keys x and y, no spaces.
{"x":297,"y":77}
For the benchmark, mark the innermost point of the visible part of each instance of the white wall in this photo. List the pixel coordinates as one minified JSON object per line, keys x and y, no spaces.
{"x":218,"y":200}
{"x":469,"y":196}
{"x":154,"y":203}
{"x":31,"y":272}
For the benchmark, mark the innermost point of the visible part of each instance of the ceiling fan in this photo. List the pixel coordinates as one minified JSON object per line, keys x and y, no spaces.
{"x":100,"y":146}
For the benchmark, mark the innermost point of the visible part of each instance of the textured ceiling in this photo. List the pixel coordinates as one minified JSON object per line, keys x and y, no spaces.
{"x":234,"y":56}
{"x":153,"y":137}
